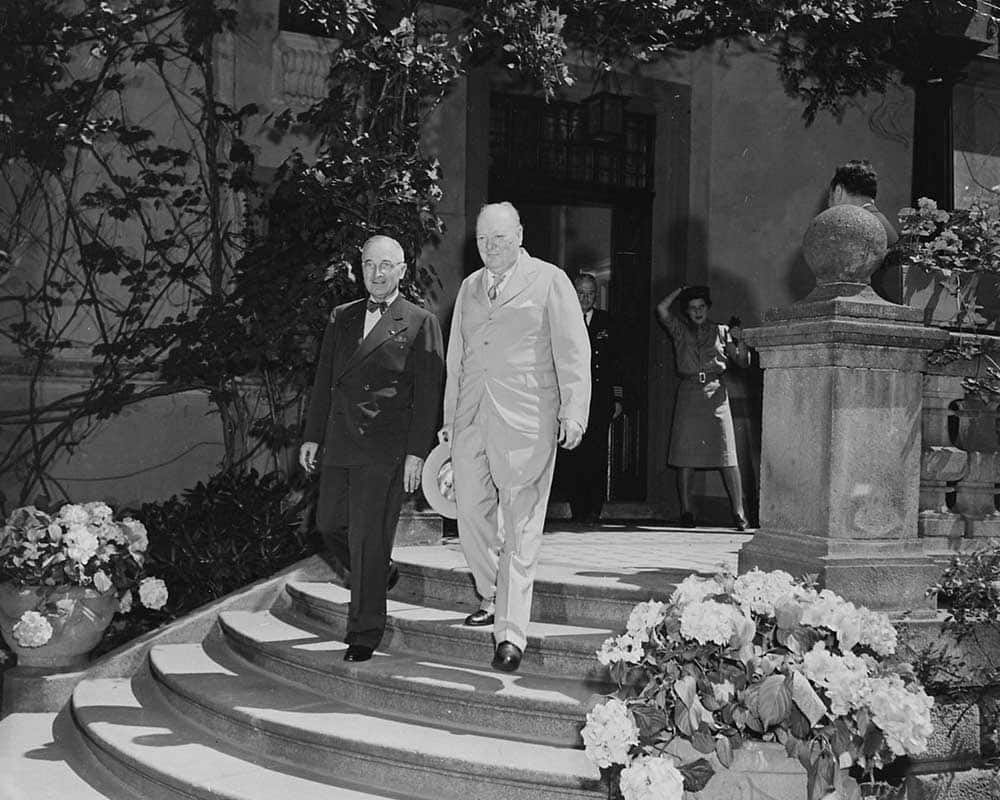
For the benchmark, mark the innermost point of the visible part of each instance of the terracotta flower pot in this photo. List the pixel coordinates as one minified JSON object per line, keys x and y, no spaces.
{"x":75,"y":632}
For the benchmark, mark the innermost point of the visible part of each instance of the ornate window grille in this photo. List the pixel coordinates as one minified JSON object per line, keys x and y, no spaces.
{"x":549,"y":141}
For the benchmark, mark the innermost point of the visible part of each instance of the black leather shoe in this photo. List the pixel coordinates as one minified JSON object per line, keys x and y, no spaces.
{"x":392,"y":578}
{"x":741,"y":524}
{"x":358,"y":652}
{"x":479,"y":618}
{"x":507,"y":657}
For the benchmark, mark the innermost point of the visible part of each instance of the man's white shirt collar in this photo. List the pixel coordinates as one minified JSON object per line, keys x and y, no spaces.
{"x":372,"y":317}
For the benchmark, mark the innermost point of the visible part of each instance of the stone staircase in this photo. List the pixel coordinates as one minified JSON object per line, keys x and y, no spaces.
{"x":265,"y":707}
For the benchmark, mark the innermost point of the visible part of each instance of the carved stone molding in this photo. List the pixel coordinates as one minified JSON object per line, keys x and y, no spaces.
{"x":300,"y":69}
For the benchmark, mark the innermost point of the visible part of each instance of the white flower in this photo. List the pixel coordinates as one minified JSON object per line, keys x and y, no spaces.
{"x":877,"y":632}
{"x":831,"y":611}
{"x":81,"y":545}
{"x":902,"y":713}
{"x":625,"y":648}
{"x":709,"y":621}
{"x":693,"y":589}
{"x":32,"y":630}
{"x":723,"y":692}
{"x":153,"y":593}
{"x":645,"y":617}
{"x":845,"y":678}
{"x":138,"y":540}
{"x":111,"y":532}
{"x":125,"y":603}
{"x":652,"y":778}
{"x":55,"y":532}
{"x":761,"y":591}
{"x":73,"y":514}
{"x":99,"y":512}
{"x":101,"y":581}
{"x":609,"y":733}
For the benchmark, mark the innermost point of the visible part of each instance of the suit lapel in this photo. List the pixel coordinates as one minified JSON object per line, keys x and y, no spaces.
{"x":393,"y":321}
{"x":524,"y":275}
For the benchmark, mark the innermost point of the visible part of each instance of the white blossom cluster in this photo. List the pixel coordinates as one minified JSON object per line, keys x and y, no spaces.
{"x":610,"y":733}
{"x":78,"y":545}
{"x":651,"y":778}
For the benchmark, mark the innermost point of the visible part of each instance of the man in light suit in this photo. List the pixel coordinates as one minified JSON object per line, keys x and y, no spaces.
{"x":374,"y":408}
{"x":518,"y":383}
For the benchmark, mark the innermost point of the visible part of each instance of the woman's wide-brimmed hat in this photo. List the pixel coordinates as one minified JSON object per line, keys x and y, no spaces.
{"x":694,"y":293}
{"x":438,"y":482}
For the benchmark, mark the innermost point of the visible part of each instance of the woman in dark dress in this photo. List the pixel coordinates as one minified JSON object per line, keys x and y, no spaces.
{"x":702,"y":435}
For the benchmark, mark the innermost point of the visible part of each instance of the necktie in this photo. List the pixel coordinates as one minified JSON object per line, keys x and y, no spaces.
{"x":374,"y":305}
{"x":494,"y":283}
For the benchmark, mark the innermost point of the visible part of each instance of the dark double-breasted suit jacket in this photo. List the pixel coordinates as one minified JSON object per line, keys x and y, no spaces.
{"x":375,"y":400}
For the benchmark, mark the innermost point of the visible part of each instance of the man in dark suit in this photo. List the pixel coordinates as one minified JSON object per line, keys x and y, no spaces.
{"x":374,"y":408}
{"x":582,"y":472}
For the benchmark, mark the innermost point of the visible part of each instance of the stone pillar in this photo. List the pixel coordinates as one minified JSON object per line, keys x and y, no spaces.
{"x":841,"y":444}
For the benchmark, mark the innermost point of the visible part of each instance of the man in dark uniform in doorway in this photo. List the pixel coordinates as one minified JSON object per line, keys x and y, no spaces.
{"x":582,"y":473}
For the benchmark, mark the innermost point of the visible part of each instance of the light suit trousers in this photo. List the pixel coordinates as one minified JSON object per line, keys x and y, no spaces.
{"x":500,"y":531}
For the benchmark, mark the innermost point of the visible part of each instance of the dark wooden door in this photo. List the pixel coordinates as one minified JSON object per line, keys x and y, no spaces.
{"x":629,"y":304}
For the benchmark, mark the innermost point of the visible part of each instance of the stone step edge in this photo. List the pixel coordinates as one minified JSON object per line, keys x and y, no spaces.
{"x":552,"y":709}
{"x":133,"y":772}
{"x":454,"y":768}
{"x":583,"y":645}
{"x":462,"y":577}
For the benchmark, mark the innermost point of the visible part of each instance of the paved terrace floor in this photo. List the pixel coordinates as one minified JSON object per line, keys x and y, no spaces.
{"x":633,"y":554}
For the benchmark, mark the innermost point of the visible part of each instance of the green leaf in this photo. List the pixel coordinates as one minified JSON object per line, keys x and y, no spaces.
{"x":650,"y":720}
{"x":724,"y":751}
{"x":703,"y":742}
{"x":697,"y":774}
{"x":774,"y":701}
{"x":806,"y":699}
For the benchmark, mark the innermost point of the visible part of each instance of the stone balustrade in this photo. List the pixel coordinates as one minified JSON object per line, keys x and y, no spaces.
{"x":301,"y":69}
{"x":960,"y":460}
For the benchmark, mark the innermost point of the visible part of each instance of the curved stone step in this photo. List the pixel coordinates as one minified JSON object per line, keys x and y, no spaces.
{"x":574,"y":583}
{"x":260,"y":713}
{"x":415,"y":685}
{"x":579,"y":603}
{"x":553,"y":649}
{"x":160,"y":756}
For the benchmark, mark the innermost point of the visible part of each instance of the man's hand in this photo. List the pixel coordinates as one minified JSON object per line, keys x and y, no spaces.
{"x":413,"y":467}
{"x":619,"y":408}
{"x":570,"y":433}
{"x":307,"y":455}
{"x":444,"y":436}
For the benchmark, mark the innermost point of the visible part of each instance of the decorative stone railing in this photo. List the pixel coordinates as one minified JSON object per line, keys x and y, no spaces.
{"x":960,"y":459}
{"x":300,"y":69}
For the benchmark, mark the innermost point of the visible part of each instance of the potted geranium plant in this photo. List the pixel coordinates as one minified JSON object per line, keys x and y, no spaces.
{"x":731,"y":661}
{"x":947,"y":263}
{"x":63,"y":577}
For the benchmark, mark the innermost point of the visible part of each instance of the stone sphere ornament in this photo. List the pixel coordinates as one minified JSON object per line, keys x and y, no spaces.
{"x":844,"y":244}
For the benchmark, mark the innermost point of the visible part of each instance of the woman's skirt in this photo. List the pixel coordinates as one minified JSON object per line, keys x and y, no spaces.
{"x":702,"y":435}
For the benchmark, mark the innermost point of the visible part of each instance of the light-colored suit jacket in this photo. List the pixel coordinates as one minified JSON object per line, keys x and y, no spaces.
{"x":520,"y":365}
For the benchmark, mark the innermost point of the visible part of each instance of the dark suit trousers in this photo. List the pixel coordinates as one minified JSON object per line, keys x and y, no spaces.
{"x":584,"y":471}
{"x":356,"y":515}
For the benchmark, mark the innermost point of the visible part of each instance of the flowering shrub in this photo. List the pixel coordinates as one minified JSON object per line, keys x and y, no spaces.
{"x":954,"y":247}
{"x":81,"y":545}
{"x":760,"y":656}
